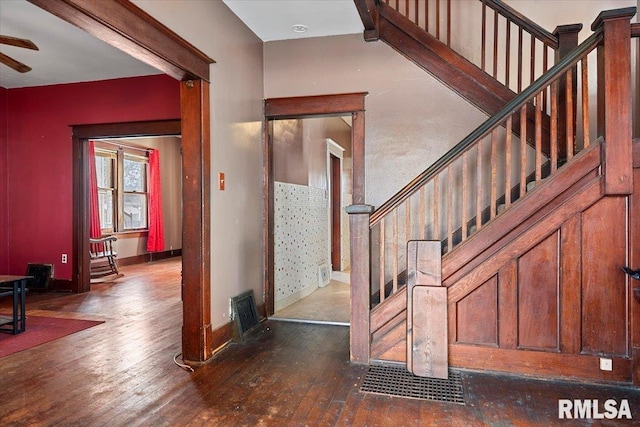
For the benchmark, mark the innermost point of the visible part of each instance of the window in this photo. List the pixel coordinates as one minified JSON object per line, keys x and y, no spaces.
{"x":122,"y":176}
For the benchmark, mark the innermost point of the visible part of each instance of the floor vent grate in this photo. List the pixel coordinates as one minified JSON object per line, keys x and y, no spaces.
{"x":397,"y":381}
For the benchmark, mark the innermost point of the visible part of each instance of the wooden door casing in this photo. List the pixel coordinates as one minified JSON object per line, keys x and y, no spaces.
{"x":336,"y":213}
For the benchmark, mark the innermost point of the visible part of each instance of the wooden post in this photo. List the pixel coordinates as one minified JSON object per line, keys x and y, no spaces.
{"x":368,"y":11}
{"x":615,"y":98}
{"x":360,"y":339}
{"x":634,"y":263}
{"x":196,"y":247}
{"x":357,"y":154}
{"x":567,"y":36}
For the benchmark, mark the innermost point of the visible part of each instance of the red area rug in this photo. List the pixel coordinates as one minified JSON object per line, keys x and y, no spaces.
{"x":40,"y":330}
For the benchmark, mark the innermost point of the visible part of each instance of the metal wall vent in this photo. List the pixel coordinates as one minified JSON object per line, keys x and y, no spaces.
{"x":245,"y":315}
{"x":397,"y":381}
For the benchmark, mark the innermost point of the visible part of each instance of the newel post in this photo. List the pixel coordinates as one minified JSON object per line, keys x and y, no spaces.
{"x":615,"y":98}
{"x":360,"y":337}
{"x":567,"y":36}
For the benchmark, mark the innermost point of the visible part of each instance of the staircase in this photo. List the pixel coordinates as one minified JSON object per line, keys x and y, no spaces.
{"x":532,"y":230}
{"x":421,"y":31}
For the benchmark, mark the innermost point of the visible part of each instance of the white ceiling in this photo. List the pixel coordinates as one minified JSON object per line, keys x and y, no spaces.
{"x":274,"y":19}
{"x":68,"y":54}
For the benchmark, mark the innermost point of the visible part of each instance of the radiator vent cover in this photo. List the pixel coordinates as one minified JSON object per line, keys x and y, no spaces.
{"x":397,"y":381}
{"x":245,"y":315}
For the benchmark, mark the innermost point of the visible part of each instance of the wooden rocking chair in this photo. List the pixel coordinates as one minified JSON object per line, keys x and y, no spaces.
{"x":102,"y":259}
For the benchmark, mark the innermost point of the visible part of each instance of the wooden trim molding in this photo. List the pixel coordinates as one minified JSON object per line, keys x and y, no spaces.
{"x":128,"y":129}
{"x":149,"y":257}
{"x":309,"y":106}
{"x":125,"y":26}
{"x":304,"y":107}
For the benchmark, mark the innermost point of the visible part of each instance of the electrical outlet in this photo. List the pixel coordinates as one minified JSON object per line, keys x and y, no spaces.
{"x":64,"y":258}
{"x":606,"y":364}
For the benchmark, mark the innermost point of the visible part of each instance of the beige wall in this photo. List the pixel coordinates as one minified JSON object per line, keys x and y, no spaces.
{"x":584,"y":12}
{"x":236,"y":141}
{"x":289,"y":159}
{"x":551,"y":13}
{"x":300,"y":149}
{"x":398,"y":146}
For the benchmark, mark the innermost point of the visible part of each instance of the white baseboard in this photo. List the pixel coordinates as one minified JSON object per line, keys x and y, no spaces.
{"x":341,"y":276}
{"x":296,"y":296}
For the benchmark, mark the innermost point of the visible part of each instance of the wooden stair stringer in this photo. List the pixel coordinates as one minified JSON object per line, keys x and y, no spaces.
{"x":454,"y":71}
{"x":389,"y":328}
{"x":523,"y":214}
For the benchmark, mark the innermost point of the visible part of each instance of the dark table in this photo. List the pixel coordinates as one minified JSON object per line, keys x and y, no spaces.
{"x":15,"y":286}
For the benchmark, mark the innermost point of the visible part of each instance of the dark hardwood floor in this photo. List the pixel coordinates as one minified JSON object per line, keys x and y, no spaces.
{"x":121,"y":373}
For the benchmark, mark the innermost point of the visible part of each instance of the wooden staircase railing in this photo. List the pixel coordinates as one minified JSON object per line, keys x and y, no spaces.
{"x":407,"y":26}
{"x":475,"y":173}
{"x":512,"y":48}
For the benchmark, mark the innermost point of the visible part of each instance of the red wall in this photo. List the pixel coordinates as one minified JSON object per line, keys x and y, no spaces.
{"x":39,"y":166}
{"x":3,"y":181}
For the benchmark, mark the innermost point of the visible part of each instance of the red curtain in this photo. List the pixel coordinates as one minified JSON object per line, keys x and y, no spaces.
{"x":155,"y":240}
{"x":95,"y":230}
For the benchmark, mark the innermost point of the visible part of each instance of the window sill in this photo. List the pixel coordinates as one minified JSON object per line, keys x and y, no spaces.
{"x":131,"y":234}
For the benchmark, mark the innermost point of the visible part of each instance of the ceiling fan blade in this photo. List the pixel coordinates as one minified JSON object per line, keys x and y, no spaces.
{"x":16,"y":65}
{"x":14,"y":41}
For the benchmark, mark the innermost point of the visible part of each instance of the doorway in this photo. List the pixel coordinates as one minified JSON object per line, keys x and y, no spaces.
{"x":81,"y":136}
{"x":308,"y":193}
{"x":171,"y":54}
{"x":139,"y":199}
{"x":349,"y":105}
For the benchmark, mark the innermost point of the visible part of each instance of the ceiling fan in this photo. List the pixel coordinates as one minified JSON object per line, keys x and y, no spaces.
{"x":10,"y":62}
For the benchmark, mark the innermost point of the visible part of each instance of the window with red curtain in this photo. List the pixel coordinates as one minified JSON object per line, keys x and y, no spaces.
{"x":95,"y":230}
{"x":155,"y":239}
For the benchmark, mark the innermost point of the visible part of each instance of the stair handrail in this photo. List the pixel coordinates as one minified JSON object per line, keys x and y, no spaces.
{"x":522,"y":21}
{"x":485,"y":128}
{"x":635,"y":29}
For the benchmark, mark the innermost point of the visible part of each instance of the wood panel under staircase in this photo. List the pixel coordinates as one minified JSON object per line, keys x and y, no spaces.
{"x":537,"y":286}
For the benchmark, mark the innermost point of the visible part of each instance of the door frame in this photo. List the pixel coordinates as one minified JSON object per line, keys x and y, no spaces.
{"x":128,"y":28}
{"x":334,"y":173}
{"x":306,"y":107}
{"x":81,"y":134}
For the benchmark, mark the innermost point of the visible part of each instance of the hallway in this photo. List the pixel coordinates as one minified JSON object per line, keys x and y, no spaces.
{"x":121,"y":373}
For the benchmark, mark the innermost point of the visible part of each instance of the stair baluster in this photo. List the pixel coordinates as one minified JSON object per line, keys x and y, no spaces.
{"x":477,"y":180}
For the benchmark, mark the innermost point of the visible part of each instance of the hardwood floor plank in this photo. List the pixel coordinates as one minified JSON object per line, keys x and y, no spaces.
{"x":121,"y":373}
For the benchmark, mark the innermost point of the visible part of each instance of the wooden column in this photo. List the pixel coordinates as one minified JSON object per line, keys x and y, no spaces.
{"x":634,"y":263}
{"x":357,"y":141}
{"x":567,"y":36}
{"x":615,"y":98}
{"x":360,"y":340}
{"x":196,"y":245}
